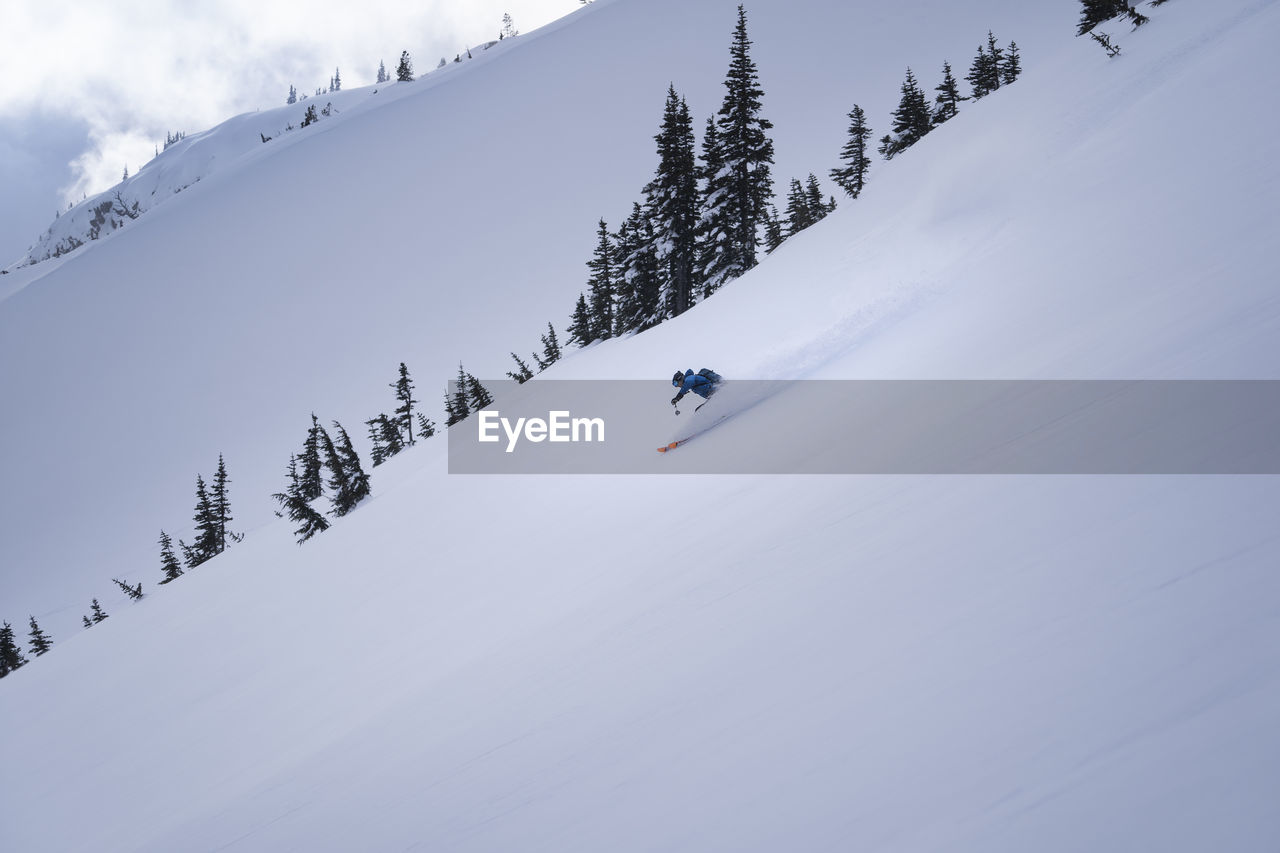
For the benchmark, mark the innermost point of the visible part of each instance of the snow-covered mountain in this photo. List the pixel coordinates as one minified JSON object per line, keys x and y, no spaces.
{"x":640,"y":663}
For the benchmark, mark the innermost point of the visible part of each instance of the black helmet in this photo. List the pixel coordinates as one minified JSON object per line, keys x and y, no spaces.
{"x":678,"y":378}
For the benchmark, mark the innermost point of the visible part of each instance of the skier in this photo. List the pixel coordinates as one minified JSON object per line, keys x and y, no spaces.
{"x":704,"y":383}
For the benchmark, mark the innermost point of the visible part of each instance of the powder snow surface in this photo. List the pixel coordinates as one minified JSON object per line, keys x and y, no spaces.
{"x":639,"y":663}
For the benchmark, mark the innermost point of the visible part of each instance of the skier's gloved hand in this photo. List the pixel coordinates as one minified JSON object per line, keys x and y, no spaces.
{"x":675,"y":399}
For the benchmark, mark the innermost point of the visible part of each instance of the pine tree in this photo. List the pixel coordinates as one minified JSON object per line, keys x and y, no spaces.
{"x":337,"y":480}
{"x":478,"y":396}
{"x":206,"y":525}
{"x":852,"y":176}
{"x":624,"y":301}
{"x":550,"y":348}
{"x":310,"y":482}
{"x":337,"y":81}
{"x":98,"y":613}
{"x":1113,"y":50}
{"x":798,"y":217}
{"x":10,"y":652}
{"x":773,"y":236}
{"x":949,"y":97}
{"x":382,"y":72}
{"x":716,"y":262}
{"x":353,"y":485}
{"x":292,"y":99}
{"x":168,"y":560}
{"x":460,"y":392}
{"x":40,"y":642}
{"x":309,"y":117}
{"x":980,"y":74}
{"x":1095,"y":12}
{"x":392,"y":440}
{"x":818,"y":209}
{"x":508,"y":27}
{"x":1012,"y":64}
{"x":404,"y":412}
{"x":134,"y":592}
{"x":455,"y":399}
{"x":580,"y":324}
{"x":377,"y":453}
{"x":985,"y":74}
{"x":221,"y":504}
{"x":995,"y":61}
{"x":911,"y":120}
{"x":426,"y":427}
{"x":742,"y":187}
{"x":672,"y":202}
{"x":452,"y":415}
{"x":522,"y":373}
{"x":299,"y":509}
{"x":404,"y":71}
{"x":641,"y":275}
{"x":600,"y":286}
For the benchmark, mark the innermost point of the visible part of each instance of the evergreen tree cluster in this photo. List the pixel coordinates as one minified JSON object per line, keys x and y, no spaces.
{"x":404,"y":71}
{"x":391,"y":434}
{"x":805,"y":205}
{"x":213,"y":535}
{"x":550,"y":355}
{"x":10,"y":652}
{"x":992,"y":68}
{"x":700,"y":221}
{"x":703,"y":217}
{"x":347,"y":483}
{"x":212,"y":515}
{"x":464,"y":395}
{"x":98,"y":615}
{"x":11,"y":657}
{"x":1095,"y":12}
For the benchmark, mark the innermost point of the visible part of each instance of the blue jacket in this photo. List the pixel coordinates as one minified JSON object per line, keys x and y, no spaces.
{"x":697,"y":383}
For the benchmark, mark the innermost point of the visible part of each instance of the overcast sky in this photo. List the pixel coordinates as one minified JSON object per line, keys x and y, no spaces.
{"x":92,"y":87}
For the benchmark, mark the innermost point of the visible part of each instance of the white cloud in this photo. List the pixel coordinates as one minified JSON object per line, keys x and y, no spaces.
{"x":134,"y":69}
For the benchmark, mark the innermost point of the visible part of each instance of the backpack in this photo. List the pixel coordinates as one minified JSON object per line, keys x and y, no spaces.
{"x":709,"y":375}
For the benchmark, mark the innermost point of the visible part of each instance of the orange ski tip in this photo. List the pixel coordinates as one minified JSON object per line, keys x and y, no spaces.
{"x":663,"y":449}
{"x":672,"y":445}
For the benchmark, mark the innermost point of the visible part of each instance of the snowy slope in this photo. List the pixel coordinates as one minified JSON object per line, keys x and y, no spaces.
{"x":693,"y":663}
{"x":230,"y":146}
{"x":297,"y":278}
